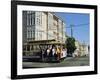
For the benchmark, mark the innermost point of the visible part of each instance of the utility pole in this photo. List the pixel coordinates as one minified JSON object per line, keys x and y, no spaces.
{"x":71,"y":26}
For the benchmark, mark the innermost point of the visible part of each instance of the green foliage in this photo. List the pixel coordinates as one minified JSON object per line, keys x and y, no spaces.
{"x":70,"y":45}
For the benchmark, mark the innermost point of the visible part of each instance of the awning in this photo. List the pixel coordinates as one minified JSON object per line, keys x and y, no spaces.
{"x":44,"y":42}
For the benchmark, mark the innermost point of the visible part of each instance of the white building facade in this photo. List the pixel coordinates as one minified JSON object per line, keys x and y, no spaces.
{"x":42,"y":26}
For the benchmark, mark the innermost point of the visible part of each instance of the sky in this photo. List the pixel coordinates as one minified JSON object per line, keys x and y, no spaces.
{"x":80,"y":32}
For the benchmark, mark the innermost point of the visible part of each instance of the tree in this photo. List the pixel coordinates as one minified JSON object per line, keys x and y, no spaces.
{"x":70,"y":45}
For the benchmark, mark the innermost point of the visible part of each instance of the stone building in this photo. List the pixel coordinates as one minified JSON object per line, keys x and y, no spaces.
{"x":42,"y":26}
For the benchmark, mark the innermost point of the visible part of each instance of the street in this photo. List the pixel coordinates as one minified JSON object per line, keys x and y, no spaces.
{"x":69,"y":61}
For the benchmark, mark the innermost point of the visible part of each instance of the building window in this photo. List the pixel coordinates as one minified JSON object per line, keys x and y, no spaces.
{"x":30,"y":18}
{"x":30,"y":35}
{"x":27,"y":34}
{"x":40,"y":35}
{"x":50,"y":21}
{"x":38,"y":18}
{"x":33,"y":18}
{"x":33,"y":34}
{"x":27,"y":18}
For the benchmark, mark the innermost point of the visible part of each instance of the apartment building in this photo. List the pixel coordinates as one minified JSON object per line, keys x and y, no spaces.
{"x":42,"y":26}
{"x":82,"y":49}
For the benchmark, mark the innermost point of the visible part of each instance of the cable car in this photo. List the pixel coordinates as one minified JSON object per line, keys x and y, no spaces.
{"x":37,"y":51}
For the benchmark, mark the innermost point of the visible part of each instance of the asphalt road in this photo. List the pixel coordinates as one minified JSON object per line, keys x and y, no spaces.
{"x":69,"y":61}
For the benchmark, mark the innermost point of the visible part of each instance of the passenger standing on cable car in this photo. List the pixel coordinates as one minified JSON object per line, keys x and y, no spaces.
{"x":50,"y":54}
{"x":58,"y":53}
{"x":45,"y":53}
{"x":54,"y":53}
